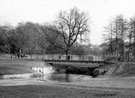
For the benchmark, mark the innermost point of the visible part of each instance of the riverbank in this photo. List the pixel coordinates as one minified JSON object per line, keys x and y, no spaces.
{"x":18,"y":66}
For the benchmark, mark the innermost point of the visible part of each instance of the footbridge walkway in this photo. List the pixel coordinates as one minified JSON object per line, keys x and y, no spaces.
{"x":78,"y":63}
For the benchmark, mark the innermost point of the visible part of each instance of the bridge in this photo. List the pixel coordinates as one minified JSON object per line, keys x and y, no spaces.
{"x":78,"y":63}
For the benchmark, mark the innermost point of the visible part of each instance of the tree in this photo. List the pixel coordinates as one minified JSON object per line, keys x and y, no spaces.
{"x":122,"y":30}
{"x":72,"y":24}
{"x":131,"y":36}
{"x":53,"y":39}
{"x":33,"y":33}
{"x":27,"y":36}
{"x":117,"y":34}
{"x":109,"y":38}
{"x":6,"y":33}
{"x":2,"y":40}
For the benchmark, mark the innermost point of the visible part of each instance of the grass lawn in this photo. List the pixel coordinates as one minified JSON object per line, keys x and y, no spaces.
{"x":38,"y":91}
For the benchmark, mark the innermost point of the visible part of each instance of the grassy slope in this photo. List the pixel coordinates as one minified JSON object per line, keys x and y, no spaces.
{"x":16,"y":66}
{"x":5,"y":56}
{"x":124,"y":69}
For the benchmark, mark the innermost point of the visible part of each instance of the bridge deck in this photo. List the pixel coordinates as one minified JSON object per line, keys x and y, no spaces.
{"x":77,"y":63}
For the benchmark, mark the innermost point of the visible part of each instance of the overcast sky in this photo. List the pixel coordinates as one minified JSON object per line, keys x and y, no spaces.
{"x":42,"y":11}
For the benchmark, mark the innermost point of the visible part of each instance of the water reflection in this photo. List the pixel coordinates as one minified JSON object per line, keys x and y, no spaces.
{"x":50,"y":77}
{"x":65,"y":77}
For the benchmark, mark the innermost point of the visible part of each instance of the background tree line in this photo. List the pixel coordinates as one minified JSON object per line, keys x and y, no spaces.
{"x":61,"y":38}
{"x":120,"y":39}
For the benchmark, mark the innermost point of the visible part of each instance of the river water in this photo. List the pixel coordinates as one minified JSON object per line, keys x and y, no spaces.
{"x":48,"y":73}
{"x":65,"y":77}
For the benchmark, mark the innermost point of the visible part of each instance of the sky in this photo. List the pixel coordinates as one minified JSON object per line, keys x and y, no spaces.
{"x":41,"y":11}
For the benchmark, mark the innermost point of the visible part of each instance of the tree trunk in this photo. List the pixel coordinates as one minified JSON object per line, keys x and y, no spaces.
{"x":67,"y":56}
{"x":67,"y":53}
{"x":123,"y":51}
{"x":134,"y":50}
{"x":116,"y":48}
{"x":30,"y":53}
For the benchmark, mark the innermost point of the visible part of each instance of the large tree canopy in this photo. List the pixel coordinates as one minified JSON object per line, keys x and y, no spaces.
{"x":73,"y":23}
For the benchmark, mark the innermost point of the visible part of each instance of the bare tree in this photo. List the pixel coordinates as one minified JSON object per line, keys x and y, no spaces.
{"x":120,"y":35}
{"x":132,"y":35}
{"x":109,"y":37}
{"x":116,"y":36}
{"x":73,"y":23}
